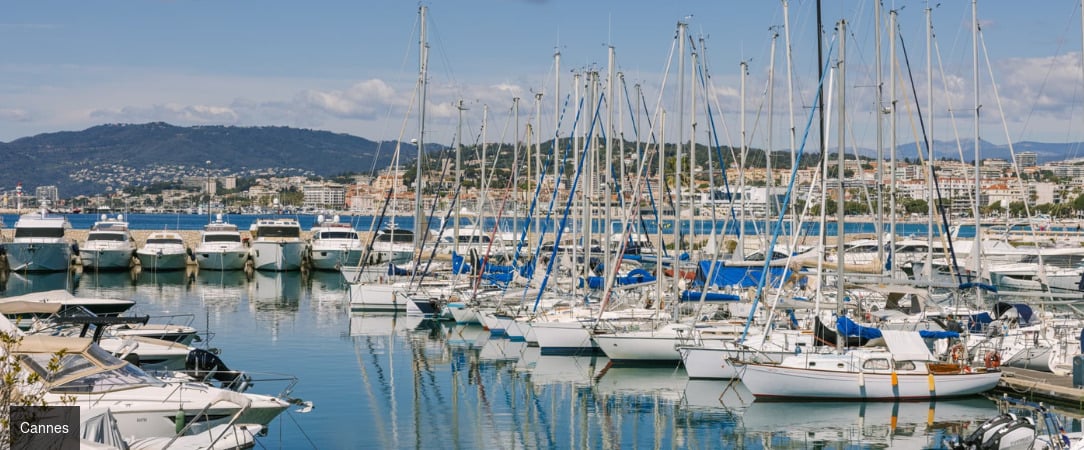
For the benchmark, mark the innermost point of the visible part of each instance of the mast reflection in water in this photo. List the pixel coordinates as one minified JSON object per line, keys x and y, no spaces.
{"x":384,"y":381}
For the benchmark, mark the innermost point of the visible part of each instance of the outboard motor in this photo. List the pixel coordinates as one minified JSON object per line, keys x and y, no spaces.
{"x":1018,"y":434}
{"x":986,"y":431}
{"x":201,"y":363}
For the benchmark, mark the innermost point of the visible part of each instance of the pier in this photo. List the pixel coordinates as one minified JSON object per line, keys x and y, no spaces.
{"x":1045,"y":387}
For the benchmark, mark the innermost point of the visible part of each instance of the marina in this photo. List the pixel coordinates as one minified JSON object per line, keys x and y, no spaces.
{"x":416,"y":382}
{"x":619,"y":283}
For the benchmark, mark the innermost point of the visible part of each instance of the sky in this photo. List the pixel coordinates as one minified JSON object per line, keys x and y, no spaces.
{"x":351,"y":67}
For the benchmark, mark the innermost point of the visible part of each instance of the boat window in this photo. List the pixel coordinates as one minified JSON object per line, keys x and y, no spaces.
{"x":876,"y":364}
{"x":279,"y":232}
{"x":474,"y":239}
{"x":338,"y":235}
{"x":39,"y":232}
{"x":395,"y":236}
{"x":912,"y":249}
{"x":165,"y":241}
{"x":106,"y":237}
{"x":222,"y":238}
{"x":905,"y":365}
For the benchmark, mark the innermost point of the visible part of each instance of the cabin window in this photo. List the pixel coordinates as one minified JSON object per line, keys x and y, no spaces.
{"x":279,"y":232}
{"x":106,"y":237}
{"x":905,"y":365}
{"x":222,"y":238}
{"x":39,"y":232}
{"x":338,"y":235}
{"x":165,"y":241}
{"x":876,"y":364}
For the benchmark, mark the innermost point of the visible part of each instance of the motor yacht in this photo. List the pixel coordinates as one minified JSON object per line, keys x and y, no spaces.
{"x":164,"y":250}
{"x":334,"y":245}
{"x":221,"y":247}
{"x":143,"y":406}
{"x":277,"y":245}
{"x":109,"y":245}
{"x":39,"y":244}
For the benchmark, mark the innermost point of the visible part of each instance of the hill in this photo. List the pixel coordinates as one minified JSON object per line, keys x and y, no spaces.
{"x":117,"y":155}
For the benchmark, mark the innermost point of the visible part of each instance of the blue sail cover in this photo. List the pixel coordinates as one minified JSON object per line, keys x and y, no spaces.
{"x":694,"y":296}
{"x":848,"y":327}
{"x":744,"y":276}
{"x":635,"y":276}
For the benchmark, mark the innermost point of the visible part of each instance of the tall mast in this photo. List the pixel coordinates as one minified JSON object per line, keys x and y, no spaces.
{"x":556,"y":114}
{"x":771,"y":130}
{"x":739,"y":250}
{"x":515,"y":167}
{"x":538,"y":151}
{"x":879,"y":111}
{"x":820,"y":117}
{"x":692,"y":146}
{"x":680,"y":140}
{"x":927,"y":268}
{"x":976,"y":248}
{"x":790,"y":103}
{"x":420,"y":227}
{"x":458,"y":174}
{"x":606,"y":165}
{"x":894,"y":143}
{"x":840,"y":209}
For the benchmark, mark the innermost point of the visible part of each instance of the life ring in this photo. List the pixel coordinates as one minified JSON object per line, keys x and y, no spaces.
{"x":957,"y":351}
{"x":992,"y":360}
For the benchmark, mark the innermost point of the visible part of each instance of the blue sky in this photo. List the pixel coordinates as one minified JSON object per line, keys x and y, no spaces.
{"x":350,"y":66}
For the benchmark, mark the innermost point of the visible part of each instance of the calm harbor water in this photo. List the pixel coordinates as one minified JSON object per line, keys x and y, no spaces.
{"x":381,"y":381}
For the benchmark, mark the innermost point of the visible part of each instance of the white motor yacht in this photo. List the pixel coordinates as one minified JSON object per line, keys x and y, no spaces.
{"x":164,"y":250}
{"x":221,"y":247}
{"x":39,"y":244}
{"x":109,"y":245}
{"x":277,"y":245}
{"x":334,"y":245}
{"x":143,"y":406}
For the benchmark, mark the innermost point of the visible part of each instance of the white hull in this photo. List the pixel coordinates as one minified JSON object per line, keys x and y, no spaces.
{"x":334,"y":259}
{"x":222,"y":259}
{"x":111,"y":259}
{"x":377,"y":297}
{"x":162,"y":261}
{"x":464,"y":314}
{"x":278,"y":255}
{"x":38,"y":257}
{"x":782,"y":382}
{"x":153,"y":414}
{"x":563,"y":338}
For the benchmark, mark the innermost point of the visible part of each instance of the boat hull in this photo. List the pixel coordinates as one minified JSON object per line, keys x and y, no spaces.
{"x":769,"y":381}
{"x":162,"y":261}
{"x":335,"y":258}
{"x":278,"y":256}
{"x":222,"y":259}
{"x":377,"y":298}
{"x":38,"y":256}
{"x":112,"y":259}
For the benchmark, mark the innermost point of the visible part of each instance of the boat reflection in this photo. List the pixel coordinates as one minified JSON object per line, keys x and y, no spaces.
{"x":902,"y":424}
{"x":327,"y":292}
{"x":165,"y":287}
{"x":19,"y":283}
{"x":106,"y":284}
{"x":274,"y":298}
{"x":221,"y":291}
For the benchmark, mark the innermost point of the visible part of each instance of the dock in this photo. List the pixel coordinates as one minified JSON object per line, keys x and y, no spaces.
{"x":1044,"y":387}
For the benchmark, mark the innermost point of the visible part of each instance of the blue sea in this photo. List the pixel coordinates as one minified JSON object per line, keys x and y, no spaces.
{"x":385,"y":381}
{"x":363,"y":223}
